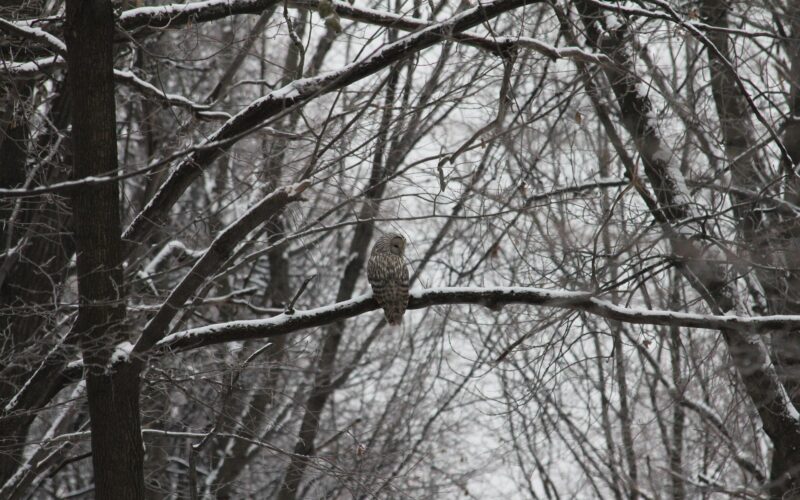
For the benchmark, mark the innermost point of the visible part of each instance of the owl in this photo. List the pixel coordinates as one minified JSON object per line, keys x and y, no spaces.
{"x":388,"y":275}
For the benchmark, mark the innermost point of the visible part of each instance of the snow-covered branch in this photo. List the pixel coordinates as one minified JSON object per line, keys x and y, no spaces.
{"x":220,"y":249}
{"x":128,"y":78}
{"x":149,"y":90}
{"x":491,"y":297}
{"x":174,"y":247}
{"x":34,"y":34}
{"x":39,"y":37}
{"x":178,"y":14}
{"x":163,"y":16}
{"x":32,"y":68}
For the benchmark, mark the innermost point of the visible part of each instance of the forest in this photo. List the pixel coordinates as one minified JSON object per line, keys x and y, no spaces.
{"x":598,"y":204}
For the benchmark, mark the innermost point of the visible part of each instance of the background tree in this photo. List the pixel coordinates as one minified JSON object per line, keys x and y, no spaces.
{"x":600,"y":202}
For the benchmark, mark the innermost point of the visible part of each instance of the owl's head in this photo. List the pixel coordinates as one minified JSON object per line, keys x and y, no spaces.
{"x":392,"y":243}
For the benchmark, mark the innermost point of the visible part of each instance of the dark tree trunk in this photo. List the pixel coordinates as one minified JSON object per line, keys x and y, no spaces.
{"x":784,"y":475}
{"x":113,"y":391}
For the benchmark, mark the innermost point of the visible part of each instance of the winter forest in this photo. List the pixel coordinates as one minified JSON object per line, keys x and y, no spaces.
{"x":600,"y":202}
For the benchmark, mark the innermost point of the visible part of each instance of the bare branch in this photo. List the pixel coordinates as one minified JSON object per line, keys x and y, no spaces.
{"x":299,"y":92}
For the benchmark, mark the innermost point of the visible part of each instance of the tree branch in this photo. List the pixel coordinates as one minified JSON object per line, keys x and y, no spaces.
{"x":177,"y":15}
{"x":219,"y":250}
{"x":492,"y":297}
{"x":299,"y":92}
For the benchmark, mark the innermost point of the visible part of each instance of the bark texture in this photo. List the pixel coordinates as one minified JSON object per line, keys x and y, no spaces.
{"x":113,"y":390}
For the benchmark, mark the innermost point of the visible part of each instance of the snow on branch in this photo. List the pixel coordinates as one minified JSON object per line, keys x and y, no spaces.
{"x":34,"y":34}
{"x":179,"y":14}
{"x":492,"y":297}
{"x":32,"y":68}
{"x":149,"y":90}
{"x":222,"y":246}
{"x":174,"y":247}
{"x":94,"y":180}
{"x":38,"y":36}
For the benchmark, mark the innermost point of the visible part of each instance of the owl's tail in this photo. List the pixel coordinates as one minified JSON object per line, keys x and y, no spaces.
{"x":393,"y":316}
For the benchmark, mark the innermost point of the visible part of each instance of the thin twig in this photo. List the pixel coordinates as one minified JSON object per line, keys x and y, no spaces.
{"x":290,"y":307}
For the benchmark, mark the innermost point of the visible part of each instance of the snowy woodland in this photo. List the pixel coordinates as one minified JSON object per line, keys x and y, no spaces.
{"x":601,"y":202}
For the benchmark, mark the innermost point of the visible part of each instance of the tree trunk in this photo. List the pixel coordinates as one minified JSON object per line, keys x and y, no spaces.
{"x":784,"y":475}
{"x":113,"y":391}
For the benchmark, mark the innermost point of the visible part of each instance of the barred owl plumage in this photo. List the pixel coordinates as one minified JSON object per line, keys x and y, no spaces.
{"x":388,"y":275}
